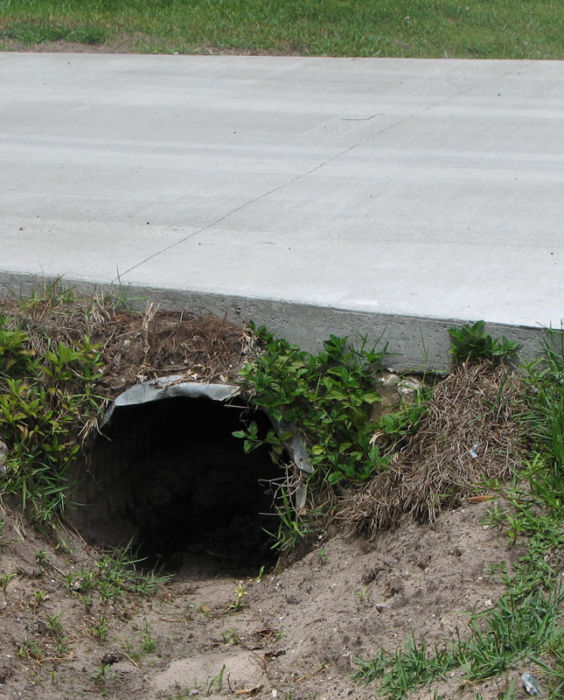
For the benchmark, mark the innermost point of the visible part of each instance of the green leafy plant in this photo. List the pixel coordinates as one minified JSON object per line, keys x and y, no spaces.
{"x":16,"y":357}
{"x":103,"y":672}
{"x":43,"y":403}
{"x":471,"y":343}
{"x":56,"y":629}
{"x":30,"y":649}
{"x":325,"y":400}
{"x":325,"y":397}
{"x":41,"y":557}
{"x":230,"y":637}
{"x":40,"y":596}
{"x":147,"y":644}
{"x":362,"y":595}
{"x":291,"y":530}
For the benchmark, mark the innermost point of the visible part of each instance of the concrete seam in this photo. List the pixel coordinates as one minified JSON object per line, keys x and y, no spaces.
{"x":298,"y":177}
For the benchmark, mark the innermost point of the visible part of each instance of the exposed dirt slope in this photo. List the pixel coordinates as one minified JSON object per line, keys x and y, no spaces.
{"x":296,"y":635}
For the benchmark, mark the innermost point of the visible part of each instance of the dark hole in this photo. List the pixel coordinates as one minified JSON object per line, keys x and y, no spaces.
{"x":170,"y":476}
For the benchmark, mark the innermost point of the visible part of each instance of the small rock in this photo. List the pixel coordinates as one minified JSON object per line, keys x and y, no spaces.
{"x":3,"y":457}
{"x":293,"y":600}
{"x":531,"y":684}
{"x":111,"y":658}
{"x":395,"y":391}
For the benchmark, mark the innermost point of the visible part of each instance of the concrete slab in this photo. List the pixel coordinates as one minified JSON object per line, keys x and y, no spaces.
{"x":317,"y":195}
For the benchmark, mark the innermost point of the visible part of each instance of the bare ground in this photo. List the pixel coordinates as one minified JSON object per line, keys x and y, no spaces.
{"x":296,"y":635}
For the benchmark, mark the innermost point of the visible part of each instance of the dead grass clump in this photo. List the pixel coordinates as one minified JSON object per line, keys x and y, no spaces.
{"x":202,"y":348}
{"x":469,"y":433}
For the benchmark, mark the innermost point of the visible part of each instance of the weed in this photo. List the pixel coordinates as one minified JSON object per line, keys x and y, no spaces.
{"x":290,"y":530}
{"x":119,"y":572}
{"x":230,"y":637}
{"x":5,"y":580}
{"x":260,"y":575}
{"x":147,"y":644}
{"x":327,"y":395}
{"x":65,"y":546}
{"x":81,"y":581}
{"x":43,"y":400}
{"x":55,"y":626}
{"x":362,"y":595}
{"x":86,"y":600}
{"x":114,"y":575}
{"x":323,"y":399}
{"x":41,"y":557}
{"x":471,"y":343}
{"x":322,"y":556}
{"x":102,"y":673}
{"x":215,"y":685}
{"x":56,"y":629}
{"x":99,"y":629}
{"x":29,"y":649}
{"x":239,"y":602}
{"x":40,"y":597}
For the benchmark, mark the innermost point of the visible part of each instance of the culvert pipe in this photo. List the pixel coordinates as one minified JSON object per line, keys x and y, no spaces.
{"x":166,"y":473}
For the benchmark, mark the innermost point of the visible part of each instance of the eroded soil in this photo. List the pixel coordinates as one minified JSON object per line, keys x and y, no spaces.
{"x":296,"y":634}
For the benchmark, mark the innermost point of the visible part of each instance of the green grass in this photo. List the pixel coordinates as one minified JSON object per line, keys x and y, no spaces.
{"x":414,"y":28}
{"x":114,"y":575}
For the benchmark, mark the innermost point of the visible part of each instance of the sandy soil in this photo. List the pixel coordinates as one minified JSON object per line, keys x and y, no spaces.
{"x":296,"y":634}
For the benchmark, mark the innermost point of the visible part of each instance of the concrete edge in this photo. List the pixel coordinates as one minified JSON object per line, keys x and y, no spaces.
{"x":415,"y":343}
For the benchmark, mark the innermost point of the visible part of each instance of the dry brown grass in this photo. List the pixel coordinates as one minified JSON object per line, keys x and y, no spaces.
{"x":469,"y":433}
{"x":134,"y":346}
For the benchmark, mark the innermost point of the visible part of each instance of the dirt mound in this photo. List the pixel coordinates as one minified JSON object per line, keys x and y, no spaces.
{"x":470,"y":433}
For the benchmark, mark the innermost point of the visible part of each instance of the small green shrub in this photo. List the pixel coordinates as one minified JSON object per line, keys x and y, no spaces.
{"x":43,"y":404}
{"x":15,"y":355}
{"x":325,"y":398}
{"x":471,"y":343}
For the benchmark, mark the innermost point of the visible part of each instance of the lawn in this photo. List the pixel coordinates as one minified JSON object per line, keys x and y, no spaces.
{"x":408,"y":28}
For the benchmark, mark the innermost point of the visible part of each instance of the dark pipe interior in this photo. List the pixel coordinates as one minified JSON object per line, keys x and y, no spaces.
{"x":170,"y":475}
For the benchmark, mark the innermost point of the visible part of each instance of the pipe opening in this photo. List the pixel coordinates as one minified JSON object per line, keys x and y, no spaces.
{"x":169,"y":476}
